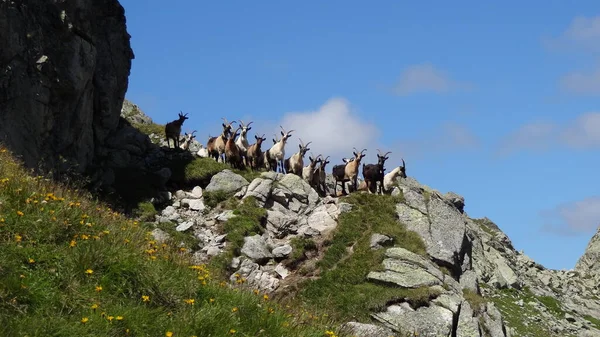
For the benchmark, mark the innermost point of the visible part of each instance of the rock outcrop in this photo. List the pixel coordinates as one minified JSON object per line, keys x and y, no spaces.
{"x":479,"y":285}
{"x":64,"y":68}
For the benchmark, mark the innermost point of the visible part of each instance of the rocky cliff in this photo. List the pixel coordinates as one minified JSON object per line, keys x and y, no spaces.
{"x":64,"y":68}
{"x":466,"y":280}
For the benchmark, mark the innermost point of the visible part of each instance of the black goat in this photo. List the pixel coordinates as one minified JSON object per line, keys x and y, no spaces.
{"x":173,"y":130}
{"x":374,"y":173}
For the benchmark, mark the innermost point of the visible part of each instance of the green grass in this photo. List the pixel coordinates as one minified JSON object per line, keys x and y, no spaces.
{"x":341,"y":269}
{"x":247,"y":222}
{"x":57,"y":248}
{"x":300,"y":245}
{"x":152,"y":128}
{"x":475,"y":300}
{"x":483,"y":224}
{"x":194,"y":171}
{"x":595,"y":321}
{"x":213,"y":198}
{"x":524,"y":318}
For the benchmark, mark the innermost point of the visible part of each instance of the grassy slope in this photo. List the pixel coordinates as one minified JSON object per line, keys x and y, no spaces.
{"x":69,"y":266}
{"x":344,"y":270}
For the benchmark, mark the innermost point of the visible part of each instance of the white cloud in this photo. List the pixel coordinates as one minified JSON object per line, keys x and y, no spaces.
{"x":582,"y":83}
{"x":425,"y":78}
{"x":446,"y":138}
{"x":334,"y":129}
{"x":579,"y":217}
{"x":535,"y":136}
{"x":582,"y":34}
{"x":581,"y":133}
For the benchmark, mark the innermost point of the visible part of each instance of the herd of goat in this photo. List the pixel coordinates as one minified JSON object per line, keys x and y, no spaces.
{"x":233,"y":147}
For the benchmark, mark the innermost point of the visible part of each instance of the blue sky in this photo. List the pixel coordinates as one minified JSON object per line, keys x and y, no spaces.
{"x":497,"y":102}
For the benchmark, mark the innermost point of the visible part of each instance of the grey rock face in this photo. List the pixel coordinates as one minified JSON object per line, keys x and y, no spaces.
{"x":366,"y":330}
{"x":66,"y":67}
{"x":589,"y":262}
{"x":256,"y":249}
{"x":425,"y":321}
{"x":226,"y":181}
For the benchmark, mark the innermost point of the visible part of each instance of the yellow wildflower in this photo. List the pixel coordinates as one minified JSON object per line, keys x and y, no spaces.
{"x":265,"y":297}
{"x":19,"y":213}
{"x":98,"y":288}
{"x":234,"y":309}
{"x":189,"y":301}
{"x":18,"y":238}
{"x":31,"y":260}
{"x":145,"y":298}
{"x":169,"y":334}
{"x":89,"y":271}
{"x":94,"y":306}
{"x":110,"y":318}
{"x":84,"y":320}
{"x":84,"y":236}
{"x":232,"y":331}
{"x":211,"y":300}
{"x":119,"y":318}
{"x":73,"y":243}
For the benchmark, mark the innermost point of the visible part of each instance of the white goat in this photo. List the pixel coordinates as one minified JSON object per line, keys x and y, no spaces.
{"x":308,"y":171}
{"x":187,"y":140}
{"x":242,"y":141}
{"x":295,"y":163}
{"x":276,"y":153}
{"x":389,"y":180}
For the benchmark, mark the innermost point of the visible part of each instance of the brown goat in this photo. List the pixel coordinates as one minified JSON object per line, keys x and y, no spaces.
{"x":216,"y":145}
{"x":232,"y":152}
{"x":254,"y":154}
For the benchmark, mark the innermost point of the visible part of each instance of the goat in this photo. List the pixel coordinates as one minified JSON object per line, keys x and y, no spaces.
{"x":242,"y":141}
{"x":348,"y":172}
{"x":320,"y":177}
{"x":232,"y":152}
{"x":374,"y":173}
{"x":203,"y":152}
{"x":276,"y":153}
{"x":308,"y":172}
{"x":173,"y":130}
{"x":187,"y":140}
{"x":216,"y":145}
{"x":295,"y":163}
{"x":390,"y":179}
{"x":254,"y":154}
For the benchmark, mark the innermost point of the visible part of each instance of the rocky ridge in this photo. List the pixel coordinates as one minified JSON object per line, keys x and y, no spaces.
{"x":485,"y":287}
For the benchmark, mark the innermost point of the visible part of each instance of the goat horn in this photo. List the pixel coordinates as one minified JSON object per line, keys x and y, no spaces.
{"x":355,"y":150}
{"x":242,"y":122}
{"x":403,"y":163}
{"x":301,"y":142}
{"x":225,"y":120}
{"x":387,"y":153}
{"x":307,"y":144}
{"x":282,"y":129}
{"x":233,"y":122}
{"x":361,"y":152}
{"x":379,"y":151}
{"x":247,"y":125}
{"x":193,"y":132}
{"x":290,"y":131}
{"x":326,"y":158}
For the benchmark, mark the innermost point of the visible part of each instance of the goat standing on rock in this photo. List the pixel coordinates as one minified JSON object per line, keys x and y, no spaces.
{"x":216,"y":145}
{"x":232,"y":152}
{"x":374,"y":173}
{"x":242,"y":141}
{"x":348,"y":172}
{"x":255,"y":156}
{"x":173,"y":130}
{"x":295,"y":163}
{"x":276,"y":154}
{"x":390,"y":178}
